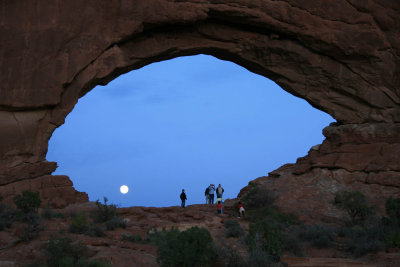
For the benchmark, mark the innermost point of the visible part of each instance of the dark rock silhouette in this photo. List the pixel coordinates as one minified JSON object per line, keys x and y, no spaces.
{"x":341,"y":56}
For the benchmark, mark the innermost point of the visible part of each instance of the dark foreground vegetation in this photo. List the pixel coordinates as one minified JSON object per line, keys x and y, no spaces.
{"x":271,"y":232}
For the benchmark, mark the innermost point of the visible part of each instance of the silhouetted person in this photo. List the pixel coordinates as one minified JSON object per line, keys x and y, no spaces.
{"x":220,"y":191}
{"x":211,"y":190}
{"x":207,"y":194}
{"x":183,"y":198}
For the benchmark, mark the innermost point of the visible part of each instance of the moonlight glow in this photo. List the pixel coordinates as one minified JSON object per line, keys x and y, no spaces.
{"x":124,"y":189}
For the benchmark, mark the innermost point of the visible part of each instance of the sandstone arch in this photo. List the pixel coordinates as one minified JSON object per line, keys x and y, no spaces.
{"x":341,"y":56}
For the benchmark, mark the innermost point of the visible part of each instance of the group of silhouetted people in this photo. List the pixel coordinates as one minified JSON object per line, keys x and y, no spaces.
{"x":209,"y":193}
{"x":210,"y":190}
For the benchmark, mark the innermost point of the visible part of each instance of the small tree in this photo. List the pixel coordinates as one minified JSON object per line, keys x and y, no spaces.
{"x":355,"y":204}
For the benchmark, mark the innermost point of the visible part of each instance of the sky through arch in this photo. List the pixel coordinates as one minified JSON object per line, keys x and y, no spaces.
{"x":182,"y":123}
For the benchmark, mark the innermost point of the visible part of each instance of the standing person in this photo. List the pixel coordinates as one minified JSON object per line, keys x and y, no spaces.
{"x":220,"y":191}
{"x":207,"y":194}
{"x":183,"y":198}
{"x":219,"y":207}
{"x":211,"y":190}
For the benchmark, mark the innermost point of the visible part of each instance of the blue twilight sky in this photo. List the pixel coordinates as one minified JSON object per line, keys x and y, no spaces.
{"x":182,"y":123}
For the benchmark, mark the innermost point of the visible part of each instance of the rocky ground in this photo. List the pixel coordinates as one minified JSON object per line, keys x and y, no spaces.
{"x":141,"y":220}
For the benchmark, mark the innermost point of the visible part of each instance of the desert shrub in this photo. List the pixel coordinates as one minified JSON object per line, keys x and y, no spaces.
{"x":259,"y":256}
{"x":272,"y":213}
{"x":114,"y":223}
{"x":30,"y":231}
{"x":132,"y":238}
{"x":233,"y":228}
{"x":95,"y":230}
{"x":107,"y":213}
{"x":392,"y":231}
{"x":80,"y":224}
{"x":318,"y":236}
{"x":265,"y":236}
{"x":48,"y":213}
{"x":27,"y":204}
{"x":366,"y":238}
{"x":355,"y":204}
{"x":104,"y":212}
{"x":291,"y":241}
{"x":392,"y":239}
{"x":228,"y":256}
{"x":61,"y":252}
{"x":258,"y":197}
{"x":28,"y":201}
{"x":7,"y":215}
{"x":192,"y":247}
{"x":393,"y":208}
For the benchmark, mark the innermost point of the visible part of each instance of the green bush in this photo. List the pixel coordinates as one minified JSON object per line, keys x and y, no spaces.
{"x":61,"y":252}
{"x":233,"y":228}
{"x":393,"y":208}
{"x":192,"y":247}
{"x":259,"y":257}
{"x":107,"y":213}
{"x":392,"y":231}
{"x":80,"y":225}
{"x":366,"y":238}
{"x":355,"y":204}
{"x":104,"y":212}
{"x":272,"y":213}
{"x":7,"y":216}
{"x":392,"y":239}
{"x":30,"y":232}
{"x":132,"y":238}
{"x":48,"y":213}
{"x":291,"y":241}
{"x":28,"y":201}
{"x":116,"y":222}
{"x":318,"y":236}
{"x":258,"y":197}
{"x":265,"y":236}
{"x":228,"y":256}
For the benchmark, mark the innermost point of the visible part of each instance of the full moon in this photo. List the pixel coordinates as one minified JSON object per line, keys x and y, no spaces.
{"x":124,"y":189}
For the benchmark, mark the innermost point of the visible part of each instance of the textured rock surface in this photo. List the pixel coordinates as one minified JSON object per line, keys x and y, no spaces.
{"x":342,"y":56}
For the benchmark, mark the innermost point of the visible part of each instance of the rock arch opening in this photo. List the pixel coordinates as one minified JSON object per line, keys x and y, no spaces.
{"x":182,"y":123}
{"x":340,"y":56}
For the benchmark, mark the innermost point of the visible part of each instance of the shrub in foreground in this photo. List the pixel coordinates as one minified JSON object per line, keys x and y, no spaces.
{"x":193,"y":247}
{"x":265,"y":236}
{"x":233,"y":228}
{"x":62,"y":252}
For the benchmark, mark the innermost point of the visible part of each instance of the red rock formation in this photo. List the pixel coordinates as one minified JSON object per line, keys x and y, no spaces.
{"x":341,"y":56}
